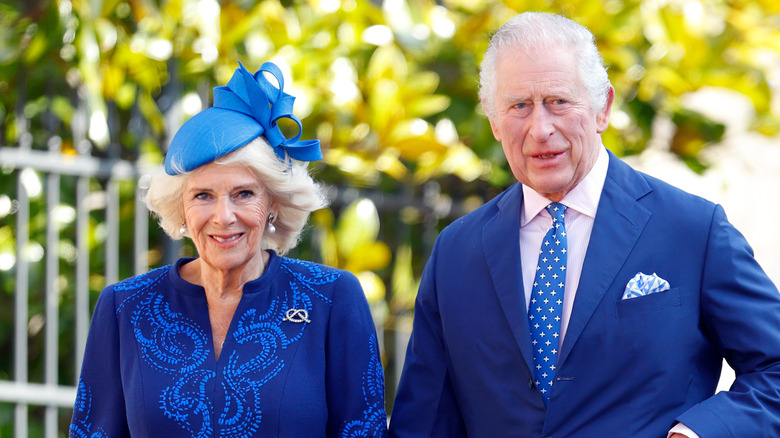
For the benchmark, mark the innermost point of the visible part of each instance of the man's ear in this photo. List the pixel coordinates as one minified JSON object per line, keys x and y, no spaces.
{"x":496,"y":132}
{"x":602,"y":118}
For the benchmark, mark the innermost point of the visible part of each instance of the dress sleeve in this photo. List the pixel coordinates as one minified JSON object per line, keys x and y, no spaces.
{"x":99,"y":410}
{"x":741,"y":313}
{"x":425,"y":404}
{"x":354,"y":377}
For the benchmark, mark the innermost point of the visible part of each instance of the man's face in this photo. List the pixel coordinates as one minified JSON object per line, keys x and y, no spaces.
{"x":545,"y":121}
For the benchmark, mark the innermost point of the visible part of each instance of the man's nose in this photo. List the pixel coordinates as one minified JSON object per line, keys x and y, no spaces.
{"x":541,"y":124}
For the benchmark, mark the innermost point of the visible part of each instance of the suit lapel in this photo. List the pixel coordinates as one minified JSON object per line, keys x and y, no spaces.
{"x":501,"y":244}
{"x":619,"y":222}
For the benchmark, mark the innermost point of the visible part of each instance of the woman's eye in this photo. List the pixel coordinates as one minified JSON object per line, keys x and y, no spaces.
{"x":245,"y":194}
{"x":202,"y":196}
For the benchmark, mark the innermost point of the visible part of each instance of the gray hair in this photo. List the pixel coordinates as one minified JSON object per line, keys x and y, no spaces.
{"x":288,"y":182}
{"x":531,"y":30}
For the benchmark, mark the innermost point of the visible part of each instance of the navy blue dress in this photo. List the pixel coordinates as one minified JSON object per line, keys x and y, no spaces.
{"x":300,"y":359}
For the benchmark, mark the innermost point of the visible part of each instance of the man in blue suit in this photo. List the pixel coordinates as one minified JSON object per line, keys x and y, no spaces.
{"x":659,"y":286}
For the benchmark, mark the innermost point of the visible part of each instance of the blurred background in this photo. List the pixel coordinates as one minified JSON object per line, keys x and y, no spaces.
{"x":91,"y":92}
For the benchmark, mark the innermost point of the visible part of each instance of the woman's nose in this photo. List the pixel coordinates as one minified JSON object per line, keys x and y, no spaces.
{"x":224,"y":211}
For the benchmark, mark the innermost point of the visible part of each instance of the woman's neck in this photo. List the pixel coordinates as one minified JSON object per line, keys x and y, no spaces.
{"x":223,"y":285}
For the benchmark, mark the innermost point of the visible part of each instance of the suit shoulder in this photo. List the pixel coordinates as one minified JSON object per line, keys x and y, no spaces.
{"x":323,"y":273}
{"x":322,"y":279}
{"x":474,"y":220}
{"x":138,"y":282}
{"x":649,"y":190}
{"x":675,"y":197}
{"x":117,"y":296}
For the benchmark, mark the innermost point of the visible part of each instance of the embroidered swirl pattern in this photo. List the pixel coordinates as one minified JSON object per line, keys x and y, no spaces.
{"x":82,"y":426}
{"x":187,"y":401}
{"x":174,"y":344}
{"x":375,"y":420}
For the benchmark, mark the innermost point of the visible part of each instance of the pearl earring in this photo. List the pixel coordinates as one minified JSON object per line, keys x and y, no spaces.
{"x":271,"y":227}
{"x":183,"y":229}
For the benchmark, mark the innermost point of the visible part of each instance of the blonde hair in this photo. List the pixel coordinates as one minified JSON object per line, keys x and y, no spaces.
{"x":288,"y":182}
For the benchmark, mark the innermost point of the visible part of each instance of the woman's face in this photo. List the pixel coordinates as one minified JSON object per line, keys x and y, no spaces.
{"x":225,"y":210}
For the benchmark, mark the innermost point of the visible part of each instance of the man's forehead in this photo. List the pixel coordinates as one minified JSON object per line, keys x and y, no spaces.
{"x":538,"y":84}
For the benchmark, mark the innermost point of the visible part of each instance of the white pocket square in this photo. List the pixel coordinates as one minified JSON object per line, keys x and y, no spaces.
{"x":643,"y":284}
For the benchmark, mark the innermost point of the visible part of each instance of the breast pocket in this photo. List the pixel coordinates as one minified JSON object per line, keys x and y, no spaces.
{"x":649,"y":303}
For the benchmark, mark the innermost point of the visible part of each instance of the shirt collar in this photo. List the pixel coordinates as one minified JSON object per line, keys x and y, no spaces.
{"x":583,"y":198}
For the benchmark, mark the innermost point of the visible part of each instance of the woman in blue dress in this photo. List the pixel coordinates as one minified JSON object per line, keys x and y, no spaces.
{"x":239,"y":341}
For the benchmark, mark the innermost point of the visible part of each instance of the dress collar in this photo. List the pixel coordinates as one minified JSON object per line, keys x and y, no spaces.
{"x":256,"y":285}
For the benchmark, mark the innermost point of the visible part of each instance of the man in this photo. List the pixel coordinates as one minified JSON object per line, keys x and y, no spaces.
{"x":657,"y":286}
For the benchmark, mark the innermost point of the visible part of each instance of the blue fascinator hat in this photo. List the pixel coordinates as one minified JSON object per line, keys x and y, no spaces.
{"x":247,"y":107}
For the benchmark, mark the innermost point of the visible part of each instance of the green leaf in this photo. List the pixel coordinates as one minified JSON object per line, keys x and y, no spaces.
{"x":358,"y":225}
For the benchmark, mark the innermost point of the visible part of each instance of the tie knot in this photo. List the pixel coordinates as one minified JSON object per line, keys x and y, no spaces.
{"x":556,"y":210}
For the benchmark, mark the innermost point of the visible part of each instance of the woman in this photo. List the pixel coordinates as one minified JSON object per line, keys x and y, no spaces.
{"x":238,"y":341}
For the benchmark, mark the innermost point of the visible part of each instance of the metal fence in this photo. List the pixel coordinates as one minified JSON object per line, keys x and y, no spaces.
{"x":71,"y":173}
{"x":49,"y":391}
{"x":26,"y":164}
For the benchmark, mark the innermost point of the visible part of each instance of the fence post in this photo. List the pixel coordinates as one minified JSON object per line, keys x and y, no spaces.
{"x":52,"y":301}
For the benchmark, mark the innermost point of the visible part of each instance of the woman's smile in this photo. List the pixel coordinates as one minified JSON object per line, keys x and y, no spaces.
{"x":225,"y":208}
{"x":230,"y":238}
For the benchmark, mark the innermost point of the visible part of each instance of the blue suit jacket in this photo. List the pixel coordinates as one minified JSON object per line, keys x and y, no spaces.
{"x":626,"y":368}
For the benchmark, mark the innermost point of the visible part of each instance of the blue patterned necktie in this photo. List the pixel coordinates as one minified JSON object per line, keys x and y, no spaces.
{"x":545,"y":308}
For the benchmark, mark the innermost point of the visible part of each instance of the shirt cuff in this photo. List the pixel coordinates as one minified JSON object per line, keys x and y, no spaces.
{"x":683,"y":429}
